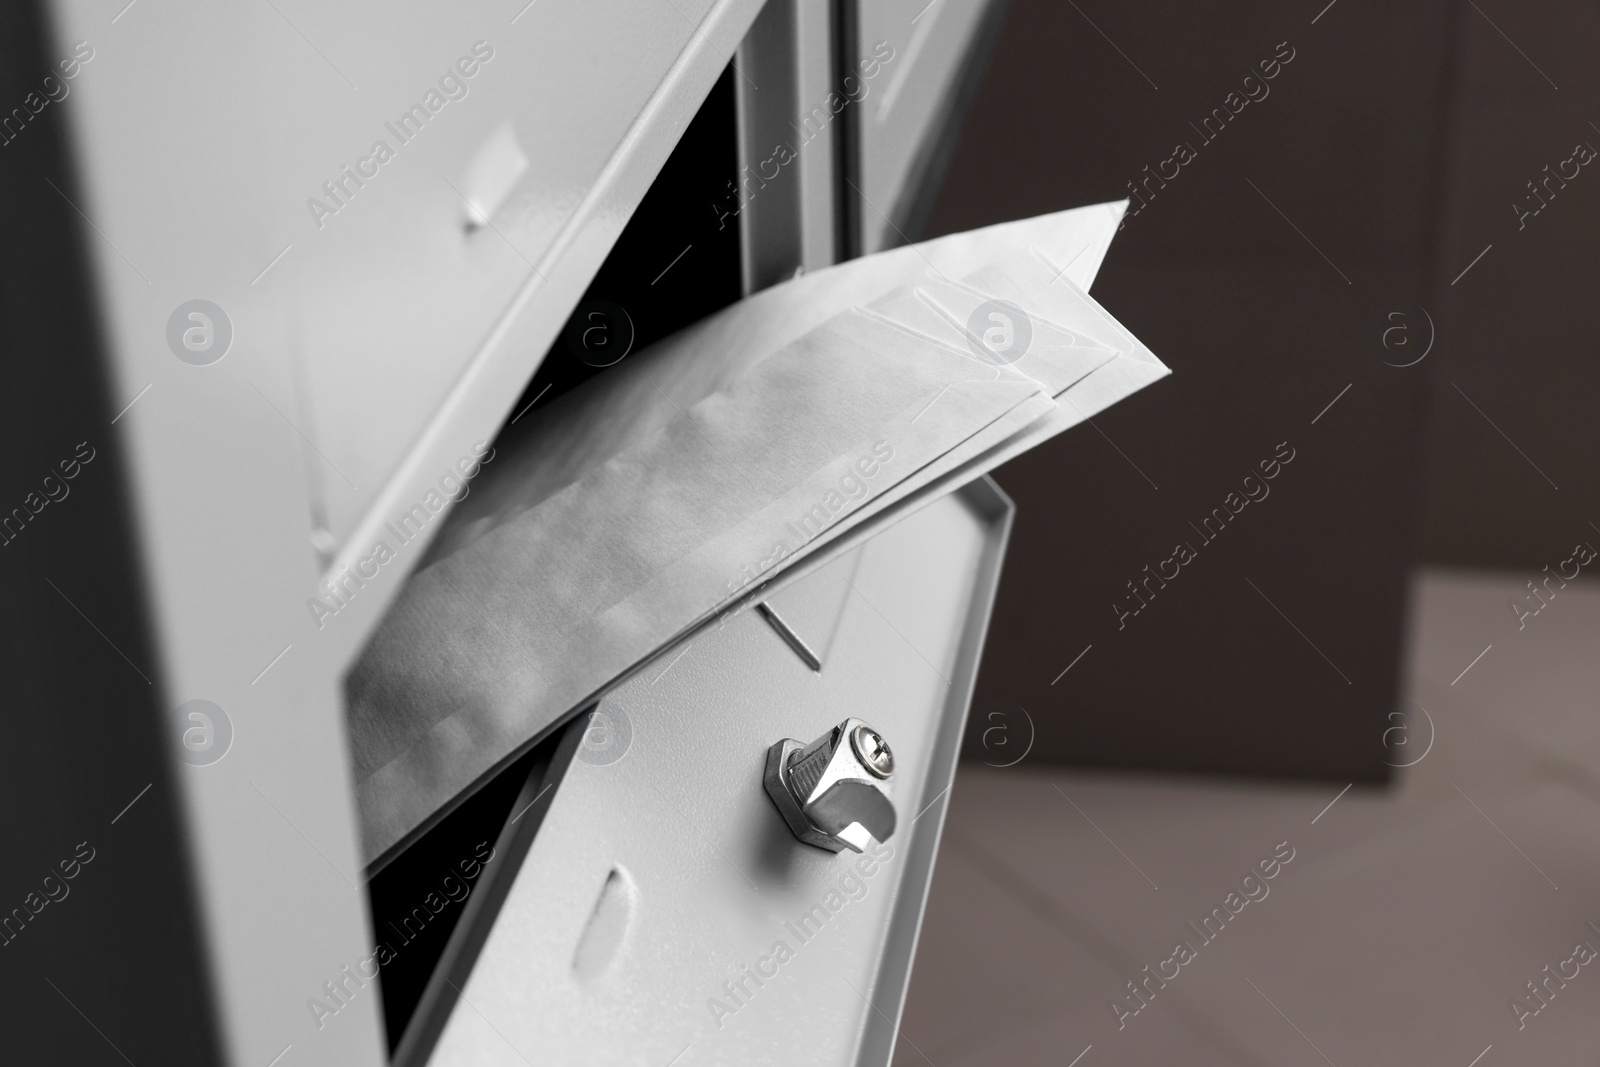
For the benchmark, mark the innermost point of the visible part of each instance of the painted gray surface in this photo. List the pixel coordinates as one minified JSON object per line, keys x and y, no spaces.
{"x":366,"y":357}
{"x":901,"y":111}
{"x":786,"y":147}
{"x":661,"y":875}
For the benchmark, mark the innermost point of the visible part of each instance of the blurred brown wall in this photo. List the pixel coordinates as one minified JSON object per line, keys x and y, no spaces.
{"x":1276,"y":650}
{"x":1518,"y":332}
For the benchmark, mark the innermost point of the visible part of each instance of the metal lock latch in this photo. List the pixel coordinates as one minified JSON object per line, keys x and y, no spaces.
{"x":831,"y":792}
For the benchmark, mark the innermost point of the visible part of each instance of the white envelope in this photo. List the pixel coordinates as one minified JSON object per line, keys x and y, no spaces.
{"x":643,"y":503}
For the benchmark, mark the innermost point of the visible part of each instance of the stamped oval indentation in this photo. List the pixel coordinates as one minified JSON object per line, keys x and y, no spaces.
{"x":607,"y":927}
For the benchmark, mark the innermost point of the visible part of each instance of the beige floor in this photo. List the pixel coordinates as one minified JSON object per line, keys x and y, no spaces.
{"x":1398,"y":934}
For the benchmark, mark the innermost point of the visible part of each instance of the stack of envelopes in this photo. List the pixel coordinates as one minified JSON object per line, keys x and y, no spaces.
{"x":681,"y":483}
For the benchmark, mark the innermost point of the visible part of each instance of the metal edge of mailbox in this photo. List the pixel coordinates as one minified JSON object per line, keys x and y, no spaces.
{"x":888,"y":994}
{"x":472,"y":930}
{"x":931,"y":163}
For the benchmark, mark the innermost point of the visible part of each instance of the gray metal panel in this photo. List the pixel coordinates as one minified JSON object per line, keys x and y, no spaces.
{"x":923,"y":48}
{"x":987,"y":499}
{"x":204,"y":196}
{"x":787,"y":163}
{"x":663,"y":871}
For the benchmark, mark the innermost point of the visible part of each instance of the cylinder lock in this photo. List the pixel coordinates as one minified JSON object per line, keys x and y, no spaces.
{"x":832,"y":792}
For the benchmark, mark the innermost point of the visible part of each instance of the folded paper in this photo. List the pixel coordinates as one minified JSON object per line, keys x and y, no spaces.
{"x":638,"y":506}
